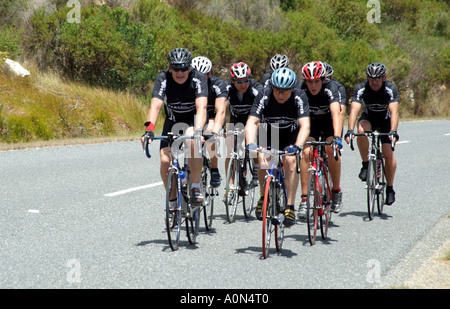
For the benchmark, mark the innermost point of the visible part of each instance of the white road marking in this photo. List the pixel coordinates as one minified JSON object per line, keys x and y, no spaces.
{"x":135,"y":189}
{"x":402,"y":142}
{"x":33,"y":211}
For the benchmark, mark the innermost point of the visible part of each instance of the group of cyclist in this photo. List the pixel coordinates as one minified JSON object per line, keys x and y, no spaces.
{"x":280,"y":112}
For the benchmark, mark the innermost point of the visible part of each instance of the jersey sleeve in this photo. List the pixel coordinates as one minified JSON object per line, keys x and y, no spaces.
{"x":392,"y":91}
{"x":160,"y":86}
{"x":358,"y":93}
{"x":301,"y":101}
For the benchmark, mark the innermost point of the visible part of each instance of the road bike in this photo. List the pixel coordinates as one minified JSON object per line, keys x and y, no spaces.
{"x":319,"y":196}
{"x":241,"y":180}
{"x":275,"y":199}
{"x":376,"y":177}
{"x":179,"y":209}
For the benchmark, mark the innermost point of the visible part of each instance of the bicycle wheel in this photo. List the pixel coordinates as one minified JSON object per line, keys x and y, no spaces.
{"x":312,"y":207}
{"x":326,"y":205}
{"x":173,"y":214}
{"x":371,"y":184}
{"x":381,"y":198}
{"x":281,"y":202}
{"x":249,"y":199}
{"x":266,"y":218}
{"x":193,"y":224}
{"x":231,"y":192}
{"x":208,"y":204}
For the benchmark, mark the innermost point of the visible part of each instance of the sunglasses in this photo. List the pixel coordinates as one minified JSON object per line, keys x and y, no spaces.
{"x":178,"y":69}
{"x":375,"y":78}
{"x":281,"y":91}
{"x":240,"y":82}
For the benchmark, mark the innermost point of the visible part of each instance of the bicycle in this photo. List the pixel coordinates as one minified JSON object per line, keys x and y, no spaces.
{"x":319,"y":196}
{"x":209,"y":191}
{"x":376,"y":177}
{"x":178,"y":184}
{"x":241,"y":181}
{"x":275,"y":200}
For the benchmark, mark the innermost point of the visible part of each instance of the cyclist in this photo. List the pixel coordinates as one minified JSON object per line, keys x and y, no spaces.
{"x":242,"y":90}
{"x":216,"y":108}
{"x":277,"y":61}
{"x":282,"y":108}
{"x":341,"y":88}
{"x":381,"y":99}
{"x":323,"y":98}
{"x":183,"y":92}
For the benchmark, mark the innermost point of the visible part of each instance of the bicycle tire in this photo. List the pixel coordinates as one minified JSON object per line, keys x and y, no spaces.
{"x":193,"y":224}
{"x":312,"y":207}
{"x":208,"y":191}
{"x":231,"y":195}
{"x":280,"y":207}
{"x":173,"y":216}
{"x":326,"y":205}
{"x":371,"y":183}
{"x":382,"y":187}
{"x":249,"y":199}
{"x":266,"y":218}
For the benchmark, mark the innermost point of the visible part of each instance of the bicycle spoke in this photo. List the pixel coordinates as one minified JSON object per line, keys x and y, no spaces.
{"x":173,"y":213}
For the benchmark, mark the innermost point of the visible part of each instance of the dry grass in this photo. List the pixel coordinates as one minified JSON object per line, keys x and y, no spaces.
{"x":46,"y":107}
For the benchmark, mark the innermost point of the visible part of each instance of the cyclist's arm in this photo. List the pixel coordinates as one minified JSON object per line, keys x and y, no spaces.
{"x":303,"y":133}
{"x":250,"y":129}
{"x":155,"y":107}
{"x":221,"y":108}
{"x":200,"y":117}
{"x":335,"y":109}
{"x":393,"y":110}
{"x":355,"y":107}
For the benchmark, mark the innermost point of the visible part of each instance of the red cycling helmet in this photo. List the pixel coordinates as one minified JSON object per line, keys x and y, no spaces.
{"x":240,"y":70}
{"x":314,"y":70}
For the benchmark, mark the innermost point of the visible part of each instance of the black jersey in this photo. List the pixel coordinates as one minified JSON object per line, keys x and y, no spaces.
{"x":376,"y":101}
{"x":319,"y":104}
{"x":341,"y":89}
{"x":283,"y":116}
{"x":217,"y":88}
{"x":266,"y":78}
{"x":240,"y":105}
{"x":179,"y":100}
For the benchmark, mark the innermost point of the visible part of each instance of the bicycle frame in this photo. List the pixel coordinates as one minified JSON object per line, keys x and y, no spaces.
{"x":376,"y":177}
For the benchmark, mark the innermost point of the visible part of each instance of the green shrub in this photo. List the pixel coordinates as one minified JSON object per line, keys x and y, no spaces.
{"x":106,"y":48}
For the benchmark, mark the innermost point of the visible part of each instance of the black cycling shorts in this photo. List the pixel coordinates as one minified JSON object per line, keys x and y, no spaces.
{"x":276,"y":139}
{"x":179,"y":126}
{"x":379,"y":123}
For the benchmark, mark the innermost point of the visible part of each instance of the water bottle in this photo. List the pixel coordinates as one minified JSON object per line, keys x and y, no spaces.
{"x":183,"y":178}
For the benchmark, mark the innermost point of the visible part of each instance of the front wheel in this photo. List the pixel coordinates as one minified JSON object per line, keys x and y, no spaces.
{"x":173,"y":210}
{"x":371,"y":183}
{"x":313,"y":204}
{"x":231,"y":189}
{"x":266,"y":218}
{"x":382,"y":187}
{"x":209,"y":193}
{"x":248,"y":199}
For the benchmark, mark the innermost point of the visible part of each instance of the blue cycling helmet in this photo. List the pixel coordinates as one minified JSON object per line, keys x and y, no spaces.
{"x":284,"y":78}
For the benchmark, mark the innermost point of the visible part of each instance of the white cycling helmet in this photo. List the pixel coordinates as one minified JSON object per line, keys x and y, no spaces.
{"x":279,"y":61}
{"x":202,"y":64}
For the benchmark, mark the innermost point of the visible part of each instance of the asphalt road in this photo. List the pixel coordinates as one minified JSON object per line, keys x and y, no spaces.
{"x":92,"y":216}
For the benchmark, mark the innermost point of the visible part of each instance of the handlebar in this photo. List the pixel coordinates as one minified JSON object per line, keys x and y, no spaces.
{"x":336,"y":153}
{"x":371,"y":134}
{"x":171,"y":138}
{"x":282,"y":153}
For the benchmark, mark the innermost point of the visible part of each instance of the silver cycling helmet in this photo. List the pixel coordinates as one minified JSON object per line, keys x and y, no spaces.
{"x":375,"y":70}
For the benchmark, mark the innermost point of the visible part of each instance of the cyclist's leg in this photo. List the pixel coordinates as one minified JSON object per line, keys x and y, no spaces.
{"x":304,"y":177}
{"x":390,"y":166}
{"x":195,"y":163}
{"x":335,"y":173}
{"x":211,"y":148}
{"x":363,"y":144}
